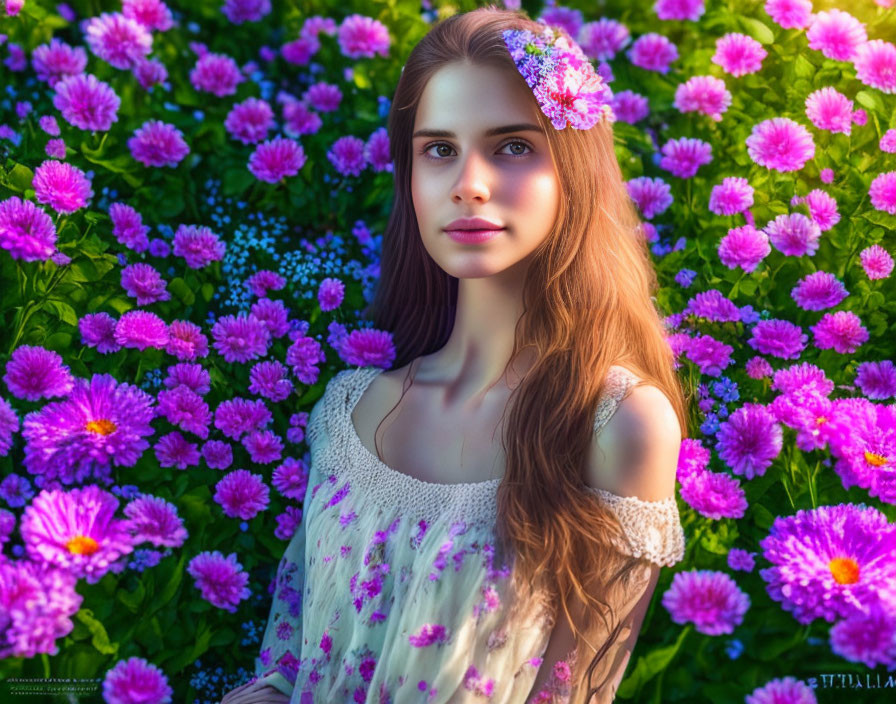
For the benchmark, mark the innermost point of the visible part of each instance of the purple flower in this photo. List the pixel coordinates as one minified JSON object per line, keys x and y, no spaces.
{"x":679,"y":9}
{"x":98,"y":331}
{"x":742,"y":560}
{"x":185,"y":409}
{"x":34,"y":372}
{"x":273,"y":314}
{"x":709,"y":599}
{"x":77,"y":531}
{"x":291,"y":478}
{"x":101,"y":422}
{"x":429,"y":634}
{"x":829,"y":562}
{"x":376,"y":151}
{"x":263,"y":446}
{"x":63,"y":187}
{"x":143,"y":282}
{"x":216,"y":74}
{"x":749,"y":440}
{"x":265,"y":280}
{"x":157,"y":143}
{"x":136,"y":679}
{"x":250,"y":120}
{"x":241,"y":494}
{"x":714,"y":494}
{"x":276,"y":159}
{"x":217,"y":454}
{"x":239,"y":11}
{"x":867,"y":638}
{"x":55,"y":148}
{"x":651,"y":195}
{"x":118,"y":40}
{"x":186,"y":340}
{"x":653,"y":52}
{"x":128,"y":227}
{"x":141,"y":329}
{"x":9,"y":426}
{"x":361,"y":36}
{"x":174,"y":450}
{"x":781,"y":144}
{"x":37,"y":601}
{"x":818,"y":290}
{"x":782,"y":690}
{"x":193,"y":376}
{"x":347,"y":155}
{"x":221,"y":581}
{"x":56,"y":60}
{"x":779,"y":338}
{"x":237,"y":416}
{"x":603,"y":38}
{"x":155,"y":520}
{"x":323,"y":97}
{"x":87,"y":103}
{"x":703,"y":94}
{"x":738,"y":54}
{"x":240,"y":338}
{"x":198,"y":245}
{"x":732,"y":195}
{"x":841,"y":331}
{"x":269,"y":379}
{"x":26,"y":231}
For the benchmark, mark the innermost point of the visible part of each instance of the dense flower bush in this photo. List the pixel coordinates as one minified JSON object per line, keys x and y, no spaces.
{"x":190,"y":202}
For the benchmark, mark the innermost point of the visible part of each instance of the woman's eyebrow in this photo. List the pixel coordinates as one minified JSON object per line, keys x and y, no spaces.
{"x":504,"y":129}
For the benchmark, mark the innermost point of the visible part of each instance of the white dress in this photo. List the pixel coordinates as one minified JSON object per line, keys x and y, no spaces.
{"x":391,"y":590}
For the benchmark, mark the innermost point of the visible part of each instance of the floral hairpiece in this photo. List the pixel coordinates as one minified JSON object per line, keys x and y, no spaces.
{"x":568,"y":89}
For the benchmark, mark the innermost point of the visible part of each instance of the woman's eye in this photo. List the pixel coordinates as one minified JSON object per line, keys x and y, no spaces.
{"x":443,"y":150}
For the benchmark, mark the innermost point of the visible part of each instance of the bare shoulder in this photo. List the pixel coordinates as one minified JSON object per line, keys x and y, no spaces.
{"x":636,"y":452}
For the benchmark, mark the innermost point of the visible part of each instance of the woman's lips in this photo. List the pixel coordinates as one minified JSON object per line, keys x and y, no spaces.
{"x":473,"y":236}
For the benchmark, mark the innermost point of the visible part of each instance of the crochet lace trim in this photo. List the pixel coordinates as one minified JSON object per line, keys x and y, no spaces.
{"x":652,"y":527}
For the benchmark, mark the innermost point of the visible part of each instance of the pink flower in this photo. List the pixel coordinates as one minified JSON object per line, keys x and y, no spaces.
{"x":152,"y":14}
{"x":841,"y":331}
{"x":794,"y":234}
{"x":836,"y":34}
{"x":744,"y":246}
{"x":217,"y":74}
{"x":361,"y":36}
{"x":883,"y":192}
{"x":828,"y":109}
{"x":136,"y":679}
{"x":875,"y":64}
{"x":826,"y":175}
{"x":118,"y":40}
{"x":653,"y":52}
{"x":63,"y":187}
{"x":790,"y":14}
{"x":376,"y":150}
{"x":876,"y":261}
{"x":684,"y":156}
{"x":26,"y":231}
{"x":651,"y":195}
{"x":276,"y":159}
{"x":602,"y":39}
{"x":782,"y":690}
{"x":781,"y":144}
{"x":242,"y":494}
{"x":157,"y":143}
{"x":347,"y":155}
{"x":86,"y":102}
{"x":324,"y":97}
{"x":738,"y":54}
{"x":128,"y":227}
{"x":822,"y":209}
{"x":56,"y":60}
{"x":221,"y":580}
{"x":733,"y":195}
{"x":679,"y":9}
{"x":250,"y":120}
{"x":705,"y":94}
{"x":711,"y":600}
{"x":629,"y":107}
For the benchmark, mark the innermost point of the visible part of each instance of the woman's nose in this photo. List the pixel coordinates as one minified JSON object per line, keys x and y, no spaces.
{"x":473,"y":179}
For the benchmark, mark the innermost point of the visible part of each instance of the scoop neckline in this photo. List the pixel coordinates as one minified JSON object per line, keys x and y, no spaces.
{"x":356,"y":440}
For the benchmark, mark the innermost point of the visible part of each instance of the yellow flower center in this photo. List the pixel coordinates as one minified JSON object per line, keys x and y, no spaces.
{"x":821,"y":420}
{"x":845,"y":570}
{"x":101,"y":427}
{"x":82,"y":545}
{"x":874,"y":459}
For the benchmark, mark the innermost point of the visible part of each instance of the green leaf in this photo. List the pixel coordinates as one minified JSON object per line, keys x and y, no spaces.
{"x":64,"y":312}
{"x":132,"y":600}
{"x":871,"y":101}
{"x":756,"y":29}
{"x":803,"y":68}
{"x":100,"y":639}
{"x":184,"y":293}
{"x":18,"y":178}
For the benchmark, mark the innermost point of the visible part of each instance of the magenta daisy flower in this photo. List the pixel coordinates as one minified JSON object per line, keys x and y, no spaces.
{"x":603,"y":38}
{"x":347,"y":155}
{"x":152,"y":14}
{"x":198,"y":245}
{"x":651,"y":195}
{"x":55,"y":148}
{"x":240,"y":338}
{"x":710,"y":600}
{"x":239,"y":11}
{"x":238,"y":415}
{"x":794,"y":234}
{"x":276,"y":159}
{"x":217,"y":454}
{"x":883,"y":192}
{"x":841,"y":331}
{"x":733,"y":195}
{"x":790,"y":14}
{"x":836,"y":34}
{"x":749,"y":440}
{"x":269,"y":379}
{"x":77,"y":531}
{"x":818,"y":291}
{"x":34,"y":373}
{"x":193,"y":376}
{"x":782,"y":690}
{"x":703,"y":94}
{"x":155,"y":520}
{"x":744,"y":247}
{"x":779,"y":338}
{"x":63,"y":187}
{"x":250,"y":120}
{"x":299,"y":119}
{"x":157,"y":143}
{"x":875,"y":64}
{"x":221,"y":580}
{"x":713,"y":494}
{"x":9,"y":426}
{"x":263,"y":281}
{"x":780,"y":144}
{"x":830,"y":562}
{"x":376,"y":150}
{"x":143,"y":282}
{"x":174,"y":450}
{"x":136,"y":680}
{"x":241,"y":494}
{"x":299,"y":51}
{"x":630,"y":107}
{"x":86,"y":103}
{"x":263,"y":446}
{"x":653,"y":52}
{"x":361,"y":36}
{"x":829,"y":109}
{"x":37,"y":601}
{"x":128,"y":227}
{"x":822,"y":209}
{"x":867,"y":638}
{"x":26,"y":231}
{"x":738,"y":54}
{"x":217,"y":74}
{"x":101,"y":422}
{"x":150,"y":73}
{"x":56,"y":60}
{"x":186,"y":409}
{"x":876,"y":261}
{"x":888,"y":142}
{"x":877,"y":380}
{"x":273,"y":314}
{"x":118,"y":40}
{"x":323,"y":97}
{"x":691,"y":10}
{"x":291,"y":478}
{"x":683,"y":157}
{"x":141,"y":329}
{"x":186,"y":340}
{"x":98,"y":331}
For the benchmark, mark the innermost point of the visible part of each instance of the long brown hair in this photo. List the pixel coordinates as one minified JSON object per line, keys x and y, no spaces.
{"x":588,"y":304}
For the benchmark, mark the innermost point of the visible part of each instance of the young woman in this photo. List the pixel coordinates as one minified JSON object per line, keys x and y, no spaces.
{"x":453,"y":556}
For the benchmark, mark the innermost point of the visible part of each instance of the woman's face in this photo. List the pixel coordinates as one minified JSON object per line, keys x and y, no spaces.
{"x":478,"y":152}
